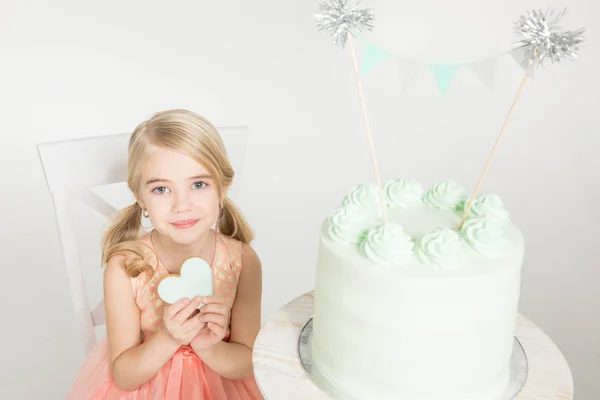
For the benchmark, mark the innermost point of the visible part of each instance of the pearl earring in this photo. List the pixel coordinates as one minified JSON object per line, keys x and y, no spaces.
{"x":145,"y":213}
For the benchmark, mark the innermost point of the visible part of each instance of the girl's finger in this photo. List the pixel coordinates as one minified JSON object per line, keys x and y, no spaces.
{"x":218,"y":330}
{"x":192,"y":324}
{"x":184,"y":314}
{"x":213,"y":300}
{"x":170,"y":311}
{"x":214,"y":308}
{"x":214,"y":318}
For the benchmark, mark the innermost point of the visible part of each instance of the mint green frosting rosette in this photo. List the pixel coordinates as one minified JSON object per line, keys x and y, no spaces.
{"x":486,"y":235}
{"x":462,"y":204}
{"x":489,"y":205}
{"x":441,"y":248}
{"x":387,"y":245}
{"x":445,"y":195}
{"x":403,"y":192}
{"x":347,"y":224}
{"x":364,"y":196}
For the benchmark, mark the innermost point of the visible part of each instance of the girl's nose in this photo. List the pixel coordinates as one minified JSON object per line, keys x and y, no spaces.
{"x":181,"y":202}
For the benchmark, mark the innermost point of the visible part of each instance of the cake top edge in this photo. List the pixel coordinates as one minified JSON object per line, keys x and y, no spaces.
{"x":358,"y":222}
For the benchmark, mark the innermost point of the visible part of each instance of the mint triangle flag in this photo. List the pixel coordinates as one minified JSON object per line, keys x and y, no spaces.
{"x":372,"y":57}
{"x":444,"y":73}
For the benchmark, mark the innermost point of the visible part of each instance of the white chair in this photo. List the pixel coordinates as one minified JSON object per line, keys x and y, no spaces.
{"x":89,"y":174}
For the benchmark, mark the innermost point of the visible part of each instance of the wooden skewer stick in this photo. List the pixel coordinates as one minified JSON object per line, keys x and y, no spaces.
{"x":368,"y":128}
{"x":489,"y":160}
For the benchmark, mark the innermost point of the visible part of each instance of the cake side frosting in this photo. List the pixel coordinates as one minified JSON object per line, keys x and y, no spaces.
{"x":414,"y":308}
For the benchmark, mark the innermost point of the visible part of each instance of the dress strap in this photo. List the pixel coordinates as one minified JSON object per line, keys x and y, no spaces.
{"x":231,"y":254}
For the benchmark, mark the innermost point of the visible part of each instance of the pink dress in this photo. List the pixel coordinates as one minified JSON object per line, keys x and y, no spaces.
{"x":185,"y":376}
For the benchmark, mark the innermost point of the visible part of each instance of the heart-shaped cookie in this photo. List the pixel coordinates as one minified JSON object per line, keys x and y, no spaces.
{"x":194,"y":279}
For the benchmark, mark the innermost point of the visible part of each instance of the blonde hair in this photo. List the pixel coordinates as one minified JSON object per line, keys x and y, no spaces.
{"x":187,"y":133}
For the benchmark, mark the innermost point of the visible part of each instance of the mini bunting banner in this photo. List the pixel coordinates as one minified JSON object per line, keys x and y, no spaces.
{"x":443,"y":73}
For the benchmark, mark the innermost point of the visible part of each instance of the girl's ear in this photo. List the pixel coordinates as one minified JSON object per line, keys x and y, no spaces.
{"x":139,"y":202}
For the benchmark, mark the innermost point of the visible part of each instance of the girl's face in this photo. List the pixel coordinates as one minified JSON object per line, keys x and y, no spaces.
{"x":179,"y":195}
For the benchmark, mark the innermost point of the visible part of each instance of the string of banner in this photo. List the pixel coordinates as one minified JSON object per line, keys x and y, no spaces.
{"x":443,"y":73}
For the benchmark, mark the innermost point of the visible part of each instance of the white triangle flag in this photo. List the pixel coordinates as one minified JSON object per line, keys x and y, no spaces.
{"x":408,"y":70}
{"x":486,"y":71}
{"x":523,"y":57}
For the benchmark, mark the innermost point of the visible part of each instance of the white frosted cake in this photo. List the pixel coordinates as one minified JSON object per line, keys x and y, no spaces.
{"x":414,"y":309}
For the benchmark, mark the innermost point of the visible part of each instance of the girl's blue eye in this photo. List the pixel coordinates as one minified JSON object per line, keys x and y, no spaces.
{"x":160,"y":190}
{"x":199,"y":185}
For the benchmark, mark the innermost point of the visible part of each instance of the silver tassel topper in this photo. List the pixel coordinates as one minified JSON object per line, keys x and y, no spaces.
{"x":542,"y":38}
{"x":337,"y":19}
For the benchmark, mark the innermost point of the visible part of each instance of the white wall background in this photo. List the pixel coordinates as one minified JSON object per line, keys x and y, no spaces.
{"x":73,"y":69}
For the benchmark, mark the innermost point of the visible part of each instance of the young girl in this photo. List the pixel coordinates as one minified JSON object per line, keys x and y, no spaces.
{"x":179,"y":174}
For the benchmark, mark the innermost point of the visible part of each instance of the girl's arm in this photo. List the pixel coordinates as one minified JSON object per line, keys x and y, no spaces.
{"x":132,"y":363}
{"x":233,"y":359}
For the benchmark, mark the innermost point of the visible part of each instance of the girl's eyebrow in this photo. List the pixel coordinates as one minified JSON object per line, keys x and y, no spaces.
{"x":202,"y":176}
{"x":155,"y":180}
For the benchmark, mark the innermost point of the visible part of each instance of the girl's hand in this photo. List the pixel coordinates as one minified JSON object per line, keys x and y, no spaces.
{"x":215,"y":314}
{"x":179,"y":323}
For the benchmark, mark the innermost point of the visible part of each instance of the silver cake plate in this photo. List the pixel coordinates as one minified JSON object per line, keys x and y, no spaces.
{"x":518,"y":368}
